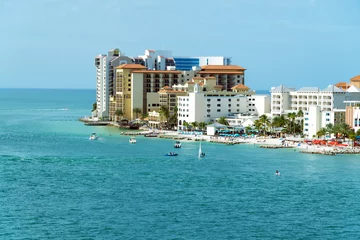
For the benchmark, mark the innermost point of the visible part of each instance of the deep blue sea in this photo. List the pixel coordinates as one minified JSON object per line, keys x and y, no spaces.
{"x":56,"y":184}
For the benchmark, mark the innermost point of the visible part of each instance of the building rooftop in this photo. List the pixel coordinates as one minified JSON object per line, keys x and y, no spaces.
{"x":356,"y":78}
{"x":281,"y":88}
{"x":352,"y":88}
{"x":240,"y":87}
{"x":131,"y":66}
{"x":332,"y":88}
{"x":222,"y":67}
{"x":309,"y":89}
{"x":157,"y":71}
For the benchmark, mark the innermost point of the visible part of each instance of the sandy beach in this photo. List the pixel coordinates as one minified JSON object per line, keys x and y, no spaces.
{"x":266,"y":142}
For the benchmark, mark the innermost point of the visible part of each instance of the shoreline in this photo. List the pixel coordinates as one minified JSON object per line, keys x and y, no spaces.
{"x":261,"y":142}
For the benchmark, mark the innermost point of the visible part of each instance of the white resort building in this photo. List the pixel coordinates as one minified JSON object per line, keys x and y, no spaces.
{"x":285,"y":100}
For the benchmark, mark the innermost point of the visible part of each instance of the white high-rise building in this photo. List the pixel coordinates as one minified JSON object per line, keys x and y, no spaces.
{"x":285,"y":100}
{"x":105,"y":83}
{"x":102,"y":93}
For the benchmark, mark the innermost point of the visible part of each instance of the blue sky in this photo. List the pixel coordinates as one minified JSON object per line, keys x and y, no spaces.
{"x":52,"y":43}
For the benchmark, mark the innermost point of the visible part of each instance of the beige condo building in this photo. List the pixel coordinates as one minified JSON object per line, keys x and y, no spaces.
{"x":137,"y":87}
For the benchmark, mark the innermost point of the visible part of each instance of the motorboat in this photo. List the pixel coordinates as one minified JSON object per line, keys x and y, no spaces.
{"x":171,"y":154}
{"x":132,"y":140}
{"x":93,"y":136}
{"x":151,"y":134}
{"x":177,"y":144}
{"x":201,"y":153}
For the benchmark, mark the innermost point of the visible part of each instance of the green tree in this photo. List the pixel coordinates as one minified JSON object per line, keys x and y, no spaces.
{"x":291,"y":117}
{"x":144,"y":115}
{"x":321,"y":132}
{"x":258,"y":125}
{"x":137,"y":111}
{"x":194,"y":124}
{"x":248,"y":129}
{"x":358,"y":132}
{"x":223,"y":121}
{"x":173,"y":120}
{"x":119,"y":113}
{"x":343,"y":129}
{"x":265,"y":121}
{"x":94,"y":106}
{"x":352,"y":137}
{"x":279,"y":121}
{"x":202,"y":125}
{"x":186,"y":125}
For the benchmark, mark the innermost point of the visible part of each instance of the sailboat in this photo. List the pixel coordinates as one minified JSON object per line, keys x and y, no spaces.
{"x":201,"y":154}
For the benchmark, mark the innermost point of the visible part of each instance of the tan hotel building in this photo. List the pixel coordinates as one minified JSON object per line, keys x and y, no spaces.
{"x":137,"y":87}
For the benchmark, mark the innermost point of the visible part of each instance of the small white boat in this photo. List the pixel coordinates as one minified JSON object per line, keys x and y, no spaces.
{"x":201,"y":154}
{"x":93,"y":136}
{"x":132,"y":140}
{"x":177,"y":144}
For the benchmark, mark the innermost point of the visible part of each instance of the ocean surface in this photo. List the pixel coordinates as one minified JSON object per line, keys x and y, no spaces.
{"x":56,"y":184}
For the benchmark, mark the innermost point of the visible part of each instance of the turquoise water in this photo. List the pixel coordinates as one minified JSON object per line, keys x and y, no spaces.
{"x":56,"y":184}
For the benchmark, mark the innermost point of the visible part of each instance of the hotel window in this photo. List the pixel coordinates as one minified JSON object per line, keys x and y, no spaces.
{"x":208,"y":115}
{"x":327,"y":114}
{"x":129,"y":89}
{"x":208,"y":110}
{"x":219,"y":105}
{"x":229,"y":110}
{"x":237,"y":105}
{"x":229,"y":105}
{"x":208,"y":100}
{"x":306,"y":130}
{"x":218,"y":110}
{"x":327,"y":120}
{"x":238,"y":100}
{"x":229,"y":100}
{"x":218,"y":100}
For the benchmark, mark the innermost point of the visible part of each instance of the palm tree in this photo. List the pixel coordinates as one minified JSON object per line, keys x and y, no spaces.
{"x":164,"y":114}
{"x":278,"y":122}
{"x":223,"y":121}
{"x":291,"y":117}
{"x":300,"y":114}
{"x":344,"y":129}
{"x":321,"y":132}
{"x":352,"y":137}
{"x":194,"y":124}
{"x":119,"y":113}
{"x":248,"y":129}
{"x":174,"y":117}
{"x":202,"y":125}
{"x":186,"y":125}
{"x":358,"y":132}
{"x":258,"y":125}
{"x":330,"y":128}
{"x":137,"y":111}
{"x":94,"y":106}
{"x":144,"y":115}
{"x":265,"y":122}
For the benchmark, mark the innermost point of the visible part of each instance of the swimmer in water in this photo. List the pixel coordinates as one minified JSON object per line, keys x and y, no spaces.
{"x":277,"y":173}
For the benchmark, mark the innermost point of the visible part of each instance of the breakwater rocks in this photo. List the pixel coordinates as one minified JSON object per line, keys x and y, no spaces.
{"x":320,"y":152}
{"x":133,"y":133}
{"x":227,"y":142}
{"x":275,"y":146}
{"x":333,"y":151}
